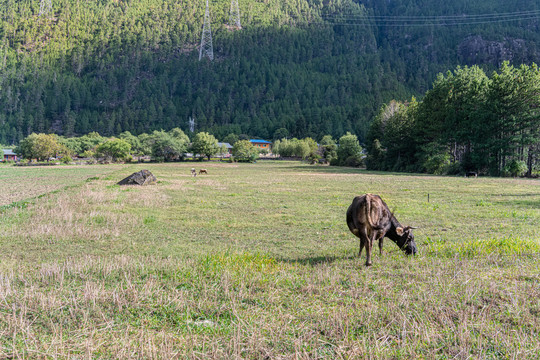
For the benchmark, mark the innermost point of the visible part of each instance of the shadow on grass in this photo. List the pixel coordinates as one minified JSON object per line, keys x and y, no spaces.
{"x":348,"y":170}
{"x":521,"y":200}
{"x":316,"y":260}
{"x":518,"y":195}
{"x":528,"y":204}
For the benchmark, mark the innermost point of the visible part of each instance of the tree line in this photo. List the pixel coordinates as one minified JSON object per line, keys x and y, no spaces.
{"x":175,"y":145}
{"x":161,"y":145}
{"x":468,"y":121}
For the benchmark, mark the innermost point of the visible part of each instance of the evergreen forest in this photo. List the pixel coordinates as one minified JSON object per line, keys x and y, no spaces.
{"x":312,"y":67}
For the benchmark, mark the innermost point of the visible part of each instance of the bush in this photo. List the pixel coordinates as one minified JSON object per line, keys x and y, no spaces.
{"x":66,"y":159}
{"x":88,"y":154}
{"x":453,"y":169}
{"x":377,"y":156}
{"x":437,"y":163}
{"x":353,"y":161}
{"x":515,"y":168}
{"x":328,"y":148}
{"x":314,"y":158}
{"x":349,"y":147}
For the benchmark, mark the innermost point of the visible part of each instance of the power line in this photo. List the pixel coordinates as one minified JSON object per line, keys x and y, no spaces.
{"x":419,"y":21}
{"x":435,"y":17}
{"x":428,"y":24}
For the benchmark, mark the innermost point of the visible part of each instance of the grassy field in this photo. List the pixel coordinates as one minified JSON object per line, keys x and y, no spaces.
{"x":24,"y":183}
{"x":256,"y":261}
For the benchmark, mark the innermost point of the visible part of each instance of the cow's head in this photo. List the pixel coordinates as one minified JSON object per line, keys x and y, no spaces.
{"x":406,"y":240}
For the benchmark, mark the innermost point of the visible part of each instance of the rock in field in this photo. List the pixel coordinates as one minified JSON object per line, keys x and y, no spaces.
{"x":143,"y":177}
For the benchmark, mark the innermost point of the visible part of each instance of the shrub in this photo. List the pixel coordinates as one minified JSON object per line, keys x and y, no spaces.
{"x":353,"y":161}
{"x":314,"y":158}
{"x":349,"y":147}
{"x":377,"y":156}
{"x":437,"y":163}
{"x":515,"y":168}
{"x":88,"y":154}
{"x":66,"y":159}
{"x":328,"y":148}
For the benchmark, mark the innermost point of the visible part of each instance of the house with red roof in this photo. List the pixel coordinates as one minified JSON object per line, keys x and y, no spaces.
{"x":8,"y":155}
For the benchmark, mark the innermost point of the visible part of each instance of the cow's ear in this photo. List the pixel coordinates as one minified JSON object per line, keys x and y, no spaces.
{"x":399,"y":231}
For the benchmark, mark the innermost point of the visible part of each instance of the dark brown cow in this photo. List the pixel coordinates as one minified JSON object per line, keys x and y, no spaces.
{"x":370,"y":219}
{"x":203,"y":171}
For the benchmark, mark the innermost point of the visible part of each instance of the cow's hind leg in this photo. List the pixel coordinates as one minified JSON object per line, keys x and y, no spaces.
{"x":369,"y":247}
{"x":362,"y":235}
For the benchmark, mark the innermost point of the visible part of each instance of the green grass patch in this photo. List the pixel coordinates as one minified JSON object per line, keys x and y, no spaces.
{"x":474,"y":248}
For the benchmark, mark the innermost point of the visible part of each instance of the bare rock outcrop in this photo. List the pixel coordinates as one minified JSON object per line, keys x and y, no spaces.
{"x":477,"y":50}
{"x":143,"y":177}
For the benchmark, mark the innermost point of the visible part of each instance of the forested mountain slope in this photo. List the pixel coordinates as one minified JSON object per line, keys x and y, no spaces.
{"x":313,"y":67}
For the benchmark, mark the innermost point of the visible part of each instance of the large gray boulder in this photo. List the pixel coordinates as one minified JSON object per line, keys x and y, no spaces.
{"x":143,"y":177}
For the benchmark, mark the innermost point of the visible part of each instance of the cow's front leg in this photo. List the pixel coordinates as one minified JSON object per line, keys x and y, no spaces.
{"x":380,"y":244}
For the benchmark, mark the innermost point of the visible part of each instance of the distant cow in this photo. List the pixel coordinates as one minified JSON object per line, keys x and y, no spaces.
{"x":203,"y":171}
{"x":471,"y":174}
{"x":193,"y":172}
{"x":369,"y":218}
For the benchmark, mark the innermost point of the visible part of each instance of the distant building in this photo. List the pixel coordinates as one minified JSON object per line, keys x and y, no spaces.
{"x":229,"y":148}
{"x":9,"y":155}
{"x":227,"y":145}
{"x":261,"y":144}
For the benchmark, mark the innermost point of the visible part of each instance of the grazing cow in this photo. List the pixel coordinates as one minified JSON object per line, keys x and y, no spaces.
{"x":203,"y":171}
{"x":193,"y":172}
{"x":471,"y":174}
{"x":370,"y":219}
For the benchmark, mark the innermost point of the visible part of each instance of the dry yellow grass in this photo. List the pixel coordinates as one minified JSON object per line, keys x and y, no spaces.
{"x":256,"y":262}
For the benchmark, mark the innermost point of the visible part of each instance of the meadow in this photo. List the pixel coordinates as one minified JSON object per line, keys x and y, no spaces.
{"x":255,"y":261}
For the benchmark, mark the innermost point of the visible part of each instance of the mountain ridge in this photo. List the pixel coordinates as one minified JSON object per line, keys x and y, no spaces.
{"x":113,"y":66}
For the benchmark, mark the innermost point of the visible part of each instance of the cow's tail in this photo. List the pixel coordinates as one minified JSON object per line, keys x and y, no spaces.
{"x":368,"y":215}
{"x":368,"y":210}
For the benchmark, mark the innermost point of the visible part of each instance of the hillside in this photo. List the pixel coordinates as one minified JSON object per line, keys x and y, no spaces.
{"x":313,"y":67}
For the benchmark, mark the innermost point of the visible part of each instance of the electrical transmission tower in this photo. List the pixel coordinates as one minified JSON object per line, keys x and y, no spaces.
{"x":206,"y":41}
{"x":234,"y":17}
{"x":191,"y":124}
{"x":45,"y":7}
